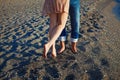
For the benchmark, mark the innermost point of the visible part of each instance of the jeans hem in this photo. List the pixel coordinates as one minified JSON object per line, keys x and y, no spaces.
{"x":74,"y":40}
{"x":62,"y":38}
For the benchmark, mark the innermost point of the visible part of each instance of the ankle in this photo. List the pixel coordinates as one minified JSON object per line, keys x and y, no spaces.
{"x":62,"y":47}
{"x":53,"y":50}
{"x":74,"y":44}
{"x":62,"y":44}
{"x":74,"y":47}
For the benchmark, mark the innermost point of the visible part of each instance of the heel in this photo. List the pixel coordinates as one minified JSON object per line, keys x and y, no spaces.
{"x":54,"y":56}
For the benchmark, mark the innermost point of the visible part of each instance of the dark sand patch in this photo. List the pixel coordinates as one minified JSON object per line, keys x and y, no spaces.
{"x":23,"y":31}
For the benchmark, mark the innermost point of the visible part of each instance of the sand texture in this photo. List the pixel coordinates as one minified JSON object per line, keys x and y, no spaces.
{"x":24,"y":31}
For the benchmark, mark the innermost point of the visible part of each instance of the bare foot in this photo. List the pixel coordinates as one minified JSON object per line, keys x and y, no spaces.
{"x":74,"y":48}
{"x":45,"y":51}
{"x":54,"y":55}
{"x":62,"y":44}
{"x":61,"y":50}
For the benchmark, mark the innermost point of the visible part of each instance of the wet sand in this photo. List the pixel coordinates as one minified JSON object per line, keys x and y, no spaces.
{"x":23,"y":32}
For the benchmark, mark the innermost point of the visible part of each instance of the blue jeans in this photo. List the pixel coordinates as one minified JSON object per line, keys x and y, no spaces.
{"x":74,"y":13}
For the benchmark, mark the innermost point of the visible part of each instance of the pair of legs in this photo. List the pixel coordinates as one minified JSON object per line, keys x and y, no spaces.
{"x":57,"y":24}
{"x":74,"y":12}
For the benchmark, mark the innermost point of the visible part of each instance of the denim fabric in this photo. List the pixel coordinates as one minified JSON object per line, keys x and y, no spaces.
{"x":74,"y":13}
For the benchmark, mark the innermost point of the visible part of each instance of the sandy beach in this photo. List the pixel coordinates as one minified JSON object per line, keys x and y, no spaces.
{"x":24,"y":31}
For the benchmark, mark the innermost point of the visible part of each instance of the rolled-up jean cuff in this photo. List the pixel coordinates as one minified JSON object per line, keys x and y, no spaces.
{"x":62,"y":38}
{"x":74,"y":40}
